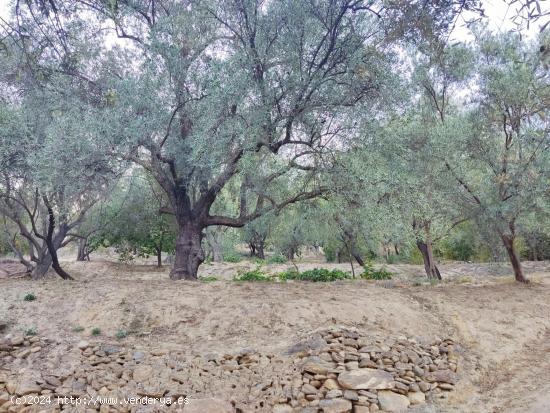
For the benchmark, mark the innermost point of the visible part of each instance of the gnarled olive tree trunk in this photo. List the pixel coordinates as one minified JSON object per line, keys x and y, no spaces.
{"x":257,"y":246}
{"x":43,"y":262}
{"x":189,"y":254}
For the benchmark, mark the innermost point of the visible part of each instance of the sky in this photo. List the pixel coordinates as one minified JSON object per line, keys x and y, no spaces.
{"x":499,"y":17}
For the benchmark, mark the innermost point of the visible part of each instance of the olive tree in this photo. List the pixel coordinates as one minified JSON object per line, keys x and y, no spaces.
{"x":500,"y":166}
{"x":240,"y":88}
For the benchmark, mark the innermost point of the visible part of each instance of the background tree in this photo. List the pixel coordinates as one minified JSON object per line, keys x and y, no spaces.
{"x":500,"y":165}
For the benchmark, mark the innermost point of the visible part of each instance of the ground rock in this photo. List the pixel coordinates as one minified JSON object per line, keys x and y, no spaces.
{"x":366,"y":379}
{"x":417,"y":397}
{"x":331,"y":384}
{"x":335,"y":405}
{"x":27,"y":386}
{"x":83,"y":345}
{"x":443,"y":376}
{"x":313,"y":343}
{"x":392,"y":402}
{"x":209,"y":406}
{"x":316,"y":365}
{"x":282,"y":408}
{"x":142,"y":372}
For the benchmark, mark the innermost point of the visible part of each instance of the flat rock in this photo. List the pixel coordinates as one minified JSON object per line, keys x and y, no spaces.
{"x":17,"y":340}
{"x":442,"y":376}
{"x":332,"y":394}
{"x":417,"y":397}
{"x":11,"y":386}
{"x":309,"y":389}
{"x":83,"y":345}
{"x":109,"y":349}
{"x":313,"y":343}
{"x":366,"y":379}
{"x":335,"y":405}
{"x":317,"y":365}
{"x":282,"y":408}
{"x":331,"y":384}
{"x":27,"y":386}
{"x":351,"y":395}
{"x":392,"y":402}
{"x":142,"y":372}
{"x":209,"y":406}
{"x":138,"y":355}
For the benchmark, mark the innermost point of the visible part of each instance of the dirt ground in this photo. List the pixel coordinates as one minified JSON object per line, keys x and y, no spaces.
{"x":503,"y":327}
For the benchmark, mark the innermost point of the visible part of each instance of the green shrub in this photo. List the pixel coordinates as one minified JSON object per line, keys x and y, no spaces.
{"x":29,"y":297}
{"x":120,"y":334}
{"x":458,"y":248}
{"x":415,"y":256}
{"x":393,"y":259}
{"x":277,"y":259}
{"x":232,"y":258}
{"x":330,"y":252}
{"x":125,"y":254}
{"x":314,"y":275}
{"x":254,"y":275}
{"x":370,"y":273}
{"x":31,"y":331}
{"x":208,"y":279}
{"x":290,"y":274}
{"x":96,"y":331}
{"x":78,"y":329}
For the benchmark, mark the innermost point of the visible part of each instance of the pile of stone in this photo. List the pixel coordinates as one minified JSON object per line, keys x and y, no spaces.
{"x":333,"y":371}
{"x":214,"y":383}
{"x":354,"y":372}
{"x":19,"y":347}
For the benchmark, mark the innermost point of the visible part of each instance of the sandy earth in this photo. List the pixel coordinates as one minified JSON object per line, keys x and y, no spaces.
{"x":503,"y":327}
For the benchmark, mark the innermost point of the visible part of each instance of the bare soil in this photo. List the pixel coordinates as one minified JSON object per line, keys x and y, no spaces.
{"x":503,"y":327}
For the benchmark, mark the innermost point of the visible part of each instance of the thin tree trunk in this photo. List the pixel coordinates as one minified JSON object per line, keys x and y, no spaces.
{"x":351,"y":263}
{"x":50,"y":243}
{"x":213,"y":237}
{"x":508,"y":242}
{"x":28,"y":265}
{"x":358,"y":258}
{"x":217,"y":255}
{"x":189,"y":253}
{"x":260,"y":253}
{"x":290,"y":254}
{"x":427,"y":255}
{"x":159,"y":258}
{"x":82,"y":244}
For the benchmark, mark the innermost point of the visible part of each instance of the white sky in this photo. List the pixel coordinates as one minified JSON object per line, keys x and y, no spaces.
{"x":499,"y":17}
{"x":498,"y":14}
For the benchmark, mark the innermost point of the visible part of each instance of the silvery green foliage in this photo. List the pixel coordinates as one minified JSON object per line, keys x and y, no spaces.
{"x":221,"y":84}
{"x":409,"y":184}
{"x":502,"y":157}
{"x":44,"y":152}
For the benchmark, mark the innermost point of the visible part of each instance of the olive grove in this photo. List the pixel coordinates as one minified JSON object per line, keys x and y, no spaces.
{"x":345,"y":125}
